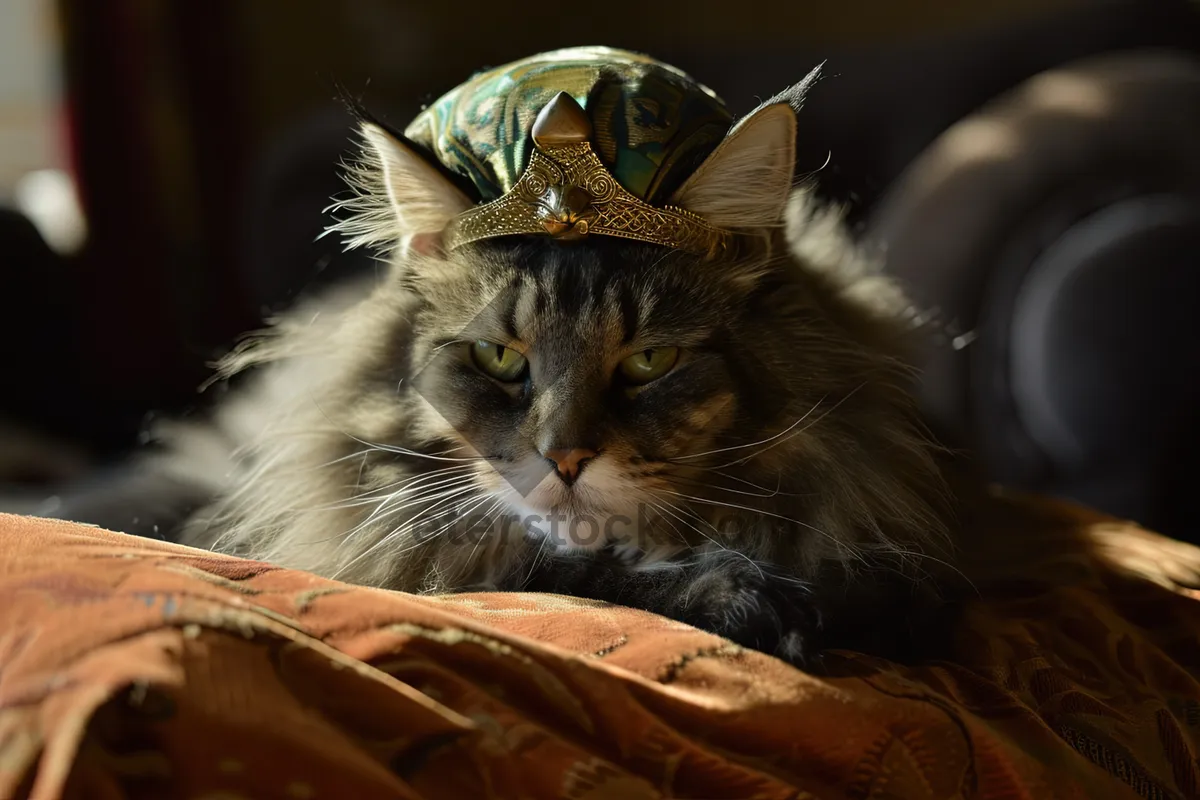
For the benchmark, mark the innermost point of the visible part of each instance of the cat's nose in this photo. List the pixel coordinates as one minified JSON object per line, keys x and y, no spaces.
{"x":569,"y":461}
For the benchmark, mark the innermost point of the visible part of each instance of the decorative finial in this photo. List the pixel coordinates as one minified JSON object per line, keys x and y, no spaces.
{"x":562,"y":121}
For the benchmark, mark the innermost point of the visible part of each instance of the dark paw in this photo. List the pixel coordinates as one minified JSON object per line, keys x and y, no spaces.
{"x":758,"y":610}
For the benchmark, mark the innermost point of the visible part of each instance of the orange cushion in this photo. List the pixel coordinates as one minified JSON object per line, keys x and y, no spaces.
{"x":133,"y":668}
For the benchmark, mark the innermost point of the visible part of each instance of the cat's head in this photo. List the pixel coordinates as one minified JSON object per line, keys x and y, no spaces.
{"x":607,"y":390}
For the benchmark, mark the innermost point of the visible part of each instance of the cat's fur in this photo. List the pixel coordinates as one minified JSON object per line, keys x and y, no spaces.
{"x":776,"y":487}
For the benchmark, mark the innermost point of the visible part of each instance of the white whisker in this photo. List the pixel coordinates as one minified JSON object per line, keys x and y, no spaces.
{"x":783,"y":432}
{"x":775,"y":444}
{"x":405,"y":527}
{"x":674,"y":511}
{"x":771,"y":514}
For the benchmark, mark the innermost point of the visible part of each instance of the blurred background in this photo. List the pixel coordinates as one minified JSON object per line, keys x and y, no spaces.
{"x":1030,"y":168}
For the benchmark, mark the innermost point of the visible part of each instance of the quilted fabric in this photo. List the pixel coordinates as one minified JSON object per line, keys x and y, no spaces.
{"x":136,"y":669}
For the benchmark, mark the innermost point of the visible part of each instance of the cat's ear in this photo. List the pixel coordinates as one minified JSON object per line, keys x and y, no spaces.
{"x":401,"y":200}
{"x":745,"y":183}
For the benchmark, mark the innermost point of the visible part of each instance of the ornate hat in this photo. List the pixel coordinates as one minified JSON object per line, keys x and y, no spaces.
{"x":576,"y":143}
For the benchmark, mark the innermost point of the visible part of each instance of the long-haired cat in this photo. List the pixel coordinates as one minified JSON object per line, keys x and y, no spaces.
{"x":729,"y":440}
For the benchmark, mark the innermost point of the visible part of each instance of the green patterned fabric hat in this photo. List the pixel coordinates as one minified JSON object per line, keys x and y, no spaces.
{"x":651,"y":124}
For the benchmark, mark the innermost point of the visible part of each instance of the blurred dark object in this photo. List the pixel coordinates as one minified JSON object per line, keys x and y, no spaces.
{"x":39,"y":341}
{"x":1057,"y":233}
{"x":36,"y":352}
{"x":206,"y":138}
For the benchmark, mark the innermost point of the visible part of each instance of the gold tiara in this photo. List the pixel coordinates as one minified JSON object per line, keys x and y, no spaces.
{"x":568,"y":193}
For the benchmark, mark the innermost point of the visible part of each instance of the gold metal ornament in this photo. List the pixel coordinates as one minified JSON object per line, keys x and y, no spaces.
{"x":568,"y":193}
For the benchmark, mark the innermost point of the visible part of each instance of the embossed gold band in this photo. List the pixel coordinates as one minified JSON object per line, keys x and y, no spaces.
{"x":568,"y":193}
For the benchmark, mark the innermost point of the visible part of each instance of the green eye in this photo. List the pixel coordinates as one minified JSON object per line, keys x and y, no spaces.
{"x":502,"y":363}
{"x":649,"y":365}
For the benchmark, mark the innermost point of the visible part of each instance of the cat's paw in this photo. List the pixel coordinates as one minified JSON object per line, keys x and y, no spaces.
{"x":748,"y":605}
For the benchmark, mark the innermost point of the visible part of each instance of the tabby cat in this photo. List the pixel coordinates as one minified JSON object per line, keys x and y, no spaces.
{"x":728,"y":440}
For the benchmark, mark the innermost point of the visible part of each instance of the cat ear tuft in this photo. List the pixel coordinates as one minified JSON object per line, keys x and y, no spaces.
{"x":400,"y":201}
{"x":796,"y":94}
{"x":746,"y":182}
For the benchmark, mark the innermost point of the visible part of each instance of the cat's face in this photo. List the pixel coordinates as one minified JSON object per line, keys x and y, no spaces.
{"x":586,"y":378}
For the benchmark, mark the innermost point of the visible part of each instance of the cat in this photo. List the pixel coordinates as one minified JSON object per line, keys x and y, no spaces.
{"x":729,"y":441}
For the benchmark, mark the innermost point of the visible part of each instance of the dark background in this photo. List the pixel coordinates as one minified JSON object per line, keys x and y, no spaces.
{"x":205,"y":138}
